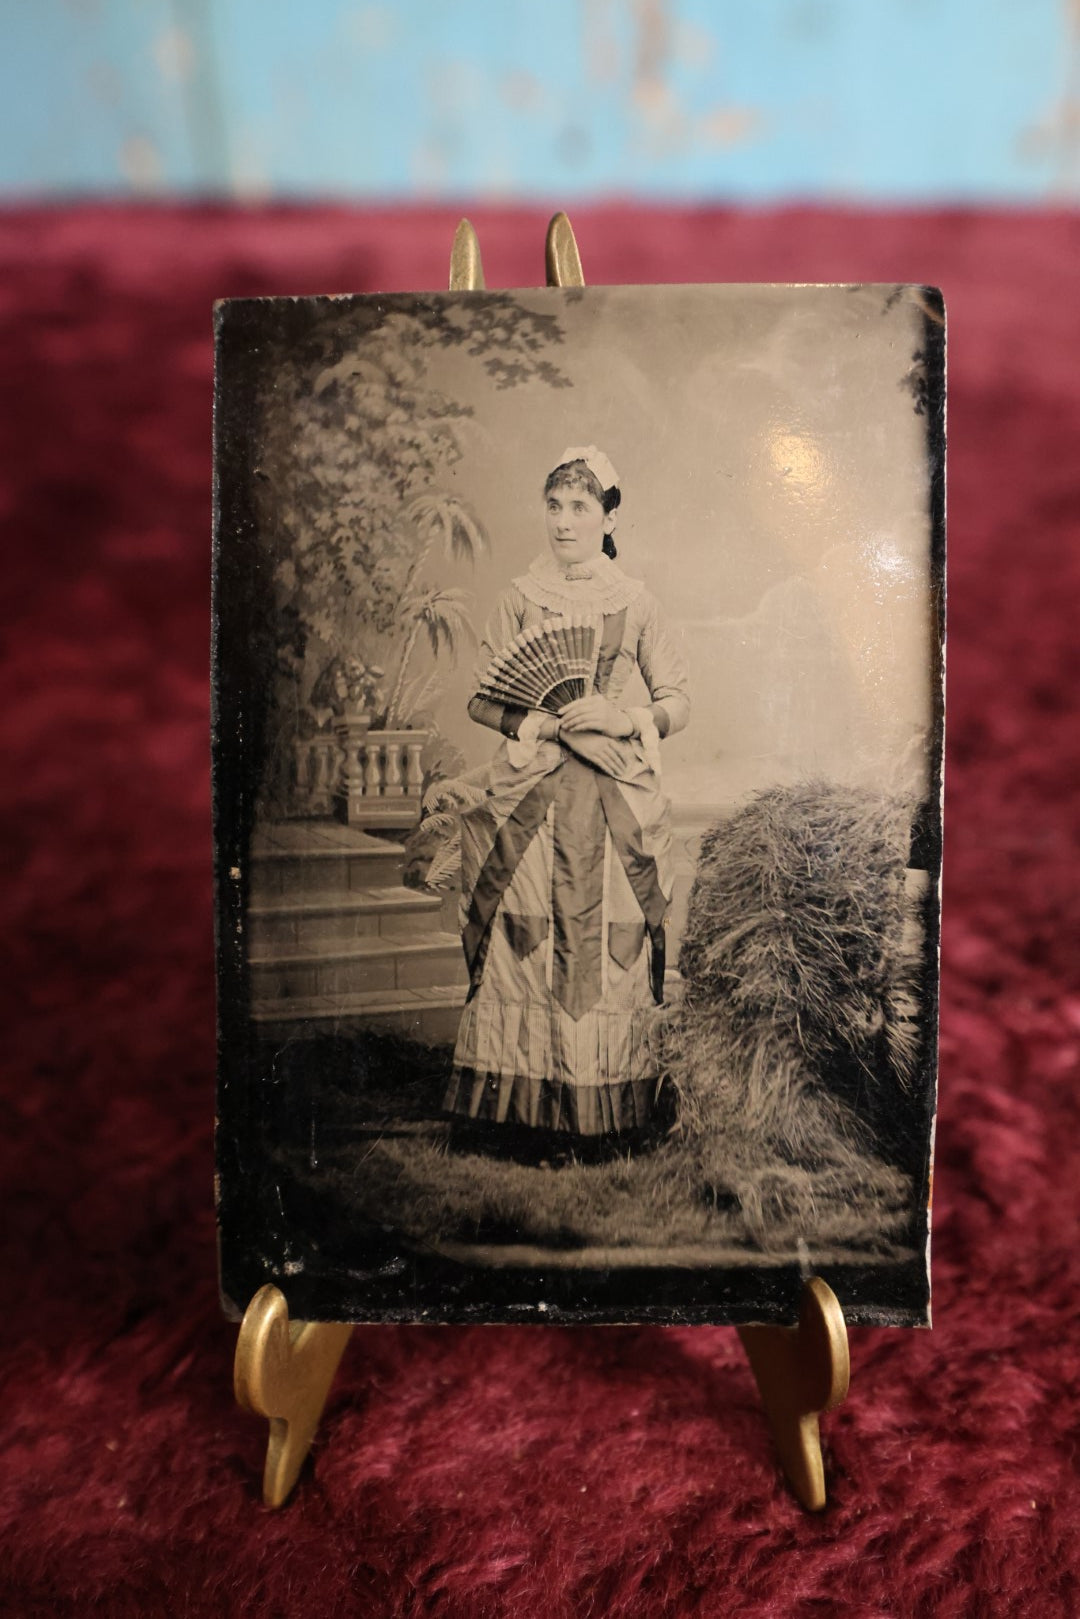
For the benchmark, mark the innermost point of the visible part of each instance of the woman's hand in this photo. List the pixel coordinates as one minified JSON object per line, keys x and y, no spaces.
{"x":595,"y":713}
{"x":596,"y":749}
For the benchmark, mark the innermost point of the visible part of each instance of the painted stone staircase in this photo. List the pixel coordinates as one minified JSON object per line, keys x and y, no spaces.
{"x":337,"y":943}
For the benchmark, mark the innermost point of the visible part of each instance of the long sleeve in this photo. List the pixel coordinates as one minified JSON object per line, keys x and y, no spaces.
{"x":664,"y":671}
{"x":505,"y":622}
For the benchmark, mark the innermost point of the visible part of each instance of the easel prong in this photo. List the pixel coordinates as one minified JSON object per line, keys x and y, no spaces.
{"x":561,"y":254}
{"x":283,"y":1370}
{"x":802,"y":1372}
{"x":466,"y":265}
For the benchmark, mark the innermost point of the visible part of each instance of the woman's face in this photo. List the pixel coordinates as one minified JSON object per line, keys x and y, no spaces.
{"x":576,"y":525}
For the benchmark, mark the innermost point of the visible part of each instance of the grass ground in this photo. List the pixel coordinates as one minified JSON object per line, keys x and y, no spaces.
{"x":381,"y":1153}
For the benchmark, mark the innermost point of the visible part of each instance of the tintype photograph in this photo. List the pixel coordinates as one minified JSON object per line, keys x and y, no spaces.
{"x":577,"y":760}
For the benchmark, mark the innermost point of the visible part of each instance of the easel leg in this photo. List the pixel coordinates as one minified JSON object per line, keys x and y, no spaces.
{"x":801,"y":1373}
{"x":283,"y":1370}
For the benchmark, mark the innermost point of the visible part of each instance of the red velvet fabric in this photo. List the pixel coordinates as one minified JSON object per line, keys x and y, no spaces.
{"x":498,"y":1471}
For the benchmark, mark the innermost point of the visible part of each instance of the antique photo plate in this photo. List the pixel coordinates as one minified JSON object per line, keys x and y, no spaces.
{"x":577,"y":792}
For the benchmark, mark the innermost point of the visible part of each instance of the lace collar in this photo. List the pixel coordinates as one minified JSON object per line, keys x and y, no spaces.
{"x":599,"y":585}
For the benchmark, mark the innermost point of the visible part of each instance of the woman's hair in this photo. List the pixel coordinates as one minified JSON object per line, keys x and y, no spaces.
{"x":577,"y":475}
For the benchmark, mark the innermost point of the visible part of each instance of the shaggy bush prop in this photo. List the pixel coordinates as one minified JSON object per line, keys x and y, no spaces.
{"x":796,"y":1038}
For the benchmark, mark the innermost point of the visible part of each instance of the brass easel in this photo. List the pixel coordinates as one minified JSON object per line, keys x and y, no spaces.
{"x":284,"y":1369}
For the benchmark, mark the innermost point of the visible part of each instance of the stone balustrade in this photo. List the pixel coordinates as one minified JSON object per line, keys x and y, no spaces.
{"x":366,"y":778}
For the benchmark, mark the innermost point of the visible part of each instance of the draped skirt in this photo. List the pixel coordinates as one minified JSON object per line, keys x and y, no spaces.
{"x":565,"y":890}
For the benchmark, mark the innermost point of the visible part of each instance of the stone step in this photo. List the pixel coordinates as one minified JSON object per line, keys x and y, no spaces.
{"x":294,"y":859}
{"x":337,"y":967}
{"x":383,"y":912}
{"x":429,"y":1015}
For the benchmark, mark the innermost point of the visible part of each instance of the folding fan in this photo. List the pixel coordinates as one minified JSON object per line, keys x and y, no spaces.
{"x":544,"y":667}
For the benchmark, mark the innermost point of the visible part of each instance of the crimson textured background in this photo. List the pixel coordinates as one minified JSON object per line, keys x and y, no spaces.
{"x":498,"y":1471}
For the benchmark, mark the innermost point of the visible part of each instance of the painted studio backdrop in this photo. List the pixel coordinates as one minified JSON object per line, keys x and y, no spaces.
{"x":381,"y":473}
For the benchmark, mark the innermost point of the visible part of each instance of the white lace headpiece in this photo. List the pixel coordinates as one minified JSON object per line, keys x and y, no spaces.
{"x":597,"y":463}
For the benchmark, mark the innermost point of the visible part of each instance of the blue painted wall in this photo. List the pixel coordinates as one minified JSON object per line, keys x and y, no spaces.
{"x":559,"y":99}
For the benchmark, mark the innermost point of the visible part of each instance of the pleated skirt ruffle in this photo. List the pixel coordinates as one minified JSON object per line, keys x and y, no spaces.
{"x":527,"y":1062}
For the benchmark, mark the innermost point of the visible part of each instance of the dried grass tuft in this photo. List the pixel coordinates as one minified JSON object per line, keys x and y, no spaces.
{"x":796,"y":1024}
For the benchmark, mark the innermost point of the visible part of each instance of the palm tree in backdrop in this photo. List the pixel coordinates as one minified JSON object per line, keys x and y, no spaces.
{"x":443,"y":613}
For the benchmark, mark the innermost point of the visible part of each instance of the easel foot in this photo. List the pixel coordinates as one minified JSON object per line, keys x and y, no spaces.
{"x":283,"y":1370}
{"x":801,"y":1373}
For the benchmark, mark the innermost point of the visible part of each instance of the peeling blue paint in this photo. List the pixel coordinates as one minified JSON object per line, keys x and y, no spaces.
{"x":561,"y":99}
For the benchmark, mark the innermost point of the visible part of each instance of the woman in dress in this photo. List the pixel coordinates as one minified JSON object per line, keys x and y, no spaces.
{"x":566,"y":861}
